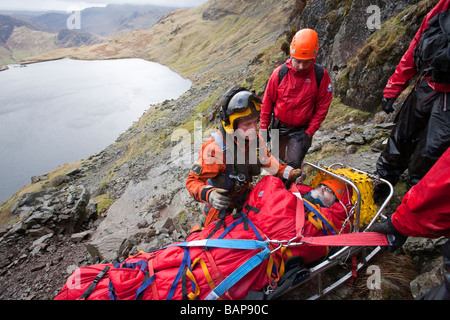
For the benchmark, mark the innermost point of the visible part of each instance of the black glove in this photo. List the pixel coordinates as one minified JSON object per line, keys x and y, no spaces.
{"x":396,"y":239}
{"x":307,"y":141}
{"x":386,"y":105}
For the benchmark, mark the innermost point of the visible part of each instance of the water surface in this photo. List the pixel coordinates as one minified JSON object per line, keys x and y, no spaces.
{"x":58,"y":112}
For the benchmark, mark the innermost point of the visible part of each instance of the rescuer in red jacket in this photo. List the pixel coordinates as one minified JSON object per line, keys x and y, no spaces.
{"x":422,"y":131}
{"x":424,"y":212}
{"x":231,"y":157}
{"x":299,"y":103}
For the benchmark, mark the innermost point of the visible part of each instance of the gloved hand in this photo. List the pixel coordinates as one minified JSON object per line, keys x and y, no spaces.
{"x":386,"y":105}
{"x":396,"y":239}
{"x":307,"y":141}
{"x":295,"y":174}
{"x":219,"y":199}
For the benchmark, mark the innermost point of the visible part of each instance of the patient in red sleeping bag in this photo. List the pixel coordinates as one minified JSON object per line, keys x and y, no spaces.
{"x":182,"y":272}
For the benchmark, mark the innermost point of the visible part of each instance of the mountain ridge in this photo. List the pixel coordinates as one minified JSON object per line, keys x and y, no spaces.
{"x":49,"y":30}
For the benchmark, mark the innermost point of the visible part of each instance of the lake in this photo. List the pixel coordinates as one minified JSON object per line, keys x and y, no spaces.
{"x":58,"y":112}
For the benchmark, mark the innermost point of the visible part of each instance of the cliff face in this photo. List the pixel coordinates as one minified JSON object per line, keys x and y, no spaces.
{"x":360,"y":56}
{"x":218,"y":45}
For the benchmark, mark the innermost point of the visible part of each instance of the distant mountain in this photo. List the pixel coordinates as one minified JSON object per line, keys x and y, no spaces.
{"x":106,"y":21}
{"x":7,"y":25}
{"x":24,"y":34}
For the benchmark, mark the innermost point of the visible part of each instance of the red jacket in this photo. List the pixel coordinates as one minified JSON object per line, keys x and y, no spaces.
{"x":298,"y":100}
{"x":406,"y":69}
{"x":425,"y":209}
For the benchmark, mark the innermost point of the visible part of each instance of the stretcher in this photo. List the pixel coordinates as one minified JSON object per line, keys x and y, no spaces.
{"x":353,"y":258}
{"x":265,"y":251}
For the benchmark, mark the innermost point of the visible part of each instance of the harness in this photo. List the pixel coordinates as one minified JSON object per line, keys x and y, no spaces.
{"x":228,"y":162}
{"x":234,"y":174}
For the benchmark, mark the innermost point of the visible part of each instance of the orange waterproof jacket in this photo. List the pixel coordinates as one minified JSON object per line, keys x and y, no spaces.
{"x":212,"y":162}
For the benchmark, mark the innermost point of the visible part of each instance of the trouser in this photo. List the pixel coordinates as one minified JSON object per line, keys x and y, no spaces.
{"x":292,"y":147}
{"x":419,"y":138}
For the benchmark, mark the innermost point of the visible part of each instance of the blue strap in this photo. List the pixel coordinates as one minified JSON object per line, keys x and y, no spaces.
{"x":319,"y":215}
{"x":230,"y":227}
{"x":186,"y":258}
{"x":147,"y":281}
{"x":246,"y":244}
{"x":238,"y":274}
{"x":258,"y":235}
{"x":221,"y":243}
{"x":240,"y":220}
{"x":112,"y":291}
{"x":130,"y":265}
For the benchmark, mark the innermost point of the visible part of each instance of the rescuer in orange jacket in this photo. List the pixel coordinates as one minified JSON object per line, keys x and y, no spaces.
{"x":422,"y":130}
{"x":298,"y":98}
{"x":232,"y":156}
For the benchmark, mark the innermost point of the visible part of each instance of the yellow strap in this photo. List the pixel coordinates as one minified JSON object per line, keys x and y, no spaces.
{"x":314,"y":222}
{"x":269,"y":270}
{"x":192,"y":295}
{"x":284,"y":251}
{"x":317,"y":224}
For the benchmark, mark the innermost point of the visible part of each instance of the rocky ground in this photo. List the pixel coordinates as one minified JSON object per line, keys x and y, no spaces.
{"x":54,"y":226}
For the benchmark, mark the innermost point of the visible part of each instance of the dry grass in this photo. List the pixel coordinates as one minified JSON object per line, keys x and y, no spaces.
{"x":397,"y":271}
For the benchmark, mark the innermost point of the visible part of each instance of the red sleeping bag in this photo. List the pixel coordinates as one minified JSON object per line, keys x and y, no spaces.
{"x":181,"y":271}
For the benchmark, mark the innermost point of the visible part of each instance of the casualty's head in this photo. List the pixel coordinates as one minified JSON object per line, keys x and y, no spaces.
{"x":328,"y":192}
{"x":304,"y":48}
{"x":239,"y":112}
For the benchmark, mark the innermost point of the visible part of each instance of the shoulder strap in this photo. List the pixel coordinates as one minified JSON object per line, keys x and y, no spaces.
{"x":319,"y":73}
{"x":283,"y":71}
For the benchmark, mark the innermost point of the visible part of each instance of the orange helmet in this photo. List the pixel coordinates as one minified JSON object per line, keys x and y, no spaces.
{"x":337,"y":187}
{"x":305,"y":44}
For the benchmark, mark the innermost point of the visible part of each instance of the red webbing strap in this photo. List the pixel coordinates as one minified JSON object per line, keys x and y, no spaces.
{"x":354,"y":277}
{"x":349,"y":239}
{"x":300,"y":211}
{"x":151,"y":272}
